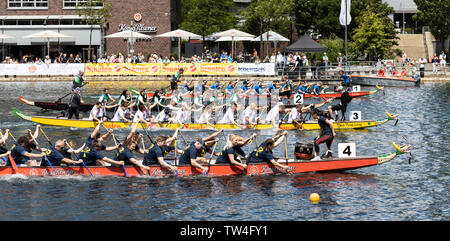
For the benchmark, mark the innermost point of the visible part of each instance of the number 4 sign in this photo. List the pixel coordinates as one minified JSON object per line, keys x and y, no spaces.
{"x":346,"y":150}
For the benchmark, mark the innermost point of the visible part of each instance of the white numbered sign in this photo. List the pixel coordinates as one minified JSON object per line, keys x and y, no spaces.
{"x":298,"y":99}
{"x":356,"y":88}
{"x":346,"y":150}
{"x":355,"y":115}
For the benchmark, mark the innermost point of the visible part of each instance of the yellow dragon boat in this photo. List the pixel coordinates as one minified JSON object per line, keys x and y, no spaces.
{"x":307,"y":125}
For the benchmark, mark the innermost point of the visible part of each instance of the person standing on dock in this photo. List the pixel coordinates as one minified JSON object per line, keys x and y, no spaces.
{"x":443,"y":62}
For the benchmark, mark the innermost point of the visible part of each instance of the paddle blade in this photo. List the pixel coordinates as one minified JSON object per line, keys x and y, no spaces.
{"x":13,"y":164}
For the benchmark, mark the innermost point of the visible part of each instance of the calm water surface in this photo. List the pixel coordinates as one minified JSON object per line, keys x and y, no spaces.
{"x":393,"y":191}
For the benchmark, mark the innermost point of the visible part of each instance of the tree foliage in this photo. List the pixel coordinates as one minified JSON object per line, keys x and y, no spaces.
{"x":264,"y":15}
{"x":435,"y":14}
{"x":92,"y":13}
{"x":374,"y":36}
{"x":205,"y":17}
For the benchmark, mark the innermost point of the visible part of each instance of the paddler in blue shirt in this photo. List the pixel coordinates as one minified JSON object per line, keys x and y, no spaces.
{"x":264,"y":152}
{"x":231,"y":151}
{"x":317,"y":88}
{"x":326,"y":135}
{"x":21,"y":153}
{"x":302,"y":88}
{"x":347,"y":81}
{"x":91,"y":152}
{"x":157,"y":152}
{"x":55,"y":155}
{"x":258,"y":87}
{"x":189,"y":156}
{"x":125,"y":153}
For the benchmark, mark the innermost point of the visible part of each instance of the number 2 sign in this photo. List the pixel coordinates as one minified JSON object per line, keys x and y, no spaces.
{"x":298,"y":99}
{"x":346,"y":150}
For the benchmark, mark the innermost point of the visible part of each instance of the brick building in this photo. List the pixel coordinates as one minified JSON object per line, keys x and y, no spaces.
{"x":19,"y":18}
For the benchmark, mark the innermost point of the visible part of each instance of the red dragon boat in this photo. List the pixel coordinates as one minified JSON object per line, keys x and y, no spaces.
{"x":295,"y":166}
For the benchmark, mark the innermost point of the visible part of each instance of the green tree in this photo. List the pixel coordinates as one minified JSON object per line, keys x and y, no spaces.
{"x":205,"y":17}
{"x":94,"y":12}
{"x":435,"y":14}
{"x":374,"y":36}
{"x":265,"y":15}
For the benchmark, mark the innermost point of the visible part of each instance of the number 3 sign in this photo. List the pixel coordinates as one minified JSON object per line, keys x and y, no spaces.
{"x":355,"y":115}
{"x":346,"y":150}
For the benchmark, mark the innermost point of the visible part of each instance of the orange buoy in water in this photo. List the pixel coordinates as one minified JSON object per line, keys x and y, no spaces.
{"x":314,"y":198}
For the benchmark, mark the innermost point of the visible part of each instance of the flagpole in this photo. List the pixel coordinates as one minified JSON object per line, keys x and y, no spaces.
{"x":345,"y":63}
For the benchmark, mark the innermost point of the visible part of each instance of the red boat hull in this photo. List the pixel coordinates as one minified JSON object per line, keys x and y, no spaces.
{"x":187,"y":170}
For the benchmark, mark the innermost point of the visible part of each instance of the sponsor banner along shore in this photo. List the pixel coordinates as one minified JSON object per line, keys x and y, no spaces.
{"x":161,"y":69}
{"x":40,"y":69}
{"x":122,"y":69}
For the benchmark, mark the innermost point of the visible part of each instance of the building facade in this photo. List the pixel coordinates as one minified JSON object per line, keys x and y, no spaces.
{"x":19,"y":18}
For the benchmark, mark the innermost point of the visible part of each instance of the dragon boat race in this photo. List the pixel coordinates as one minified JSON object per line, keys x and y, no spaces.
{"x":156,"y":111}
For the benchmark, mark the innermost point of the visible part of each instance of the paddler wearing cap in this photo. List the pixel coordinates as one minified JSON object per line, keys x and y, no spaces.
{"x":345,"y":99}
{"x":91,"y":152}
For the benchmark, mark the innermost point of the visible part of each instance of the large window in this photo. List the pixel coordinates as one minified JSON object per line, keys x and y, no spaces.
{"x":28,"y":4}
{"x":75,"y":3}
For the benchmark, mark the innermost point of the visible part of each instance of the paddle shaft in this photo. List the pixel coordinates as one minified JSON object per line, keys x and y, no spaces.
{"x":11,"y":159}
{"x":45,"y":156}
{"x":146,"y":132}
{"x":59,"y":99}
{"x":118,"y":153}
{"x":73,"y":152}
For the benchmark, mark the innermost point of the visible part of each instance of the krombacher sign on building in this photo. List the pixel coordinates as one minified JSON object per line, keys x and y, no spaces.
{"x":138,"y":28}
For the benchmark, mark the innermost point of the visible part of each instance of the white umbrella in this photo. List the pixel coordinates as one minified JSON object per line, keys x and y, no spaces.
{"x":129,"y":34}
{"x":47,"y":34}
{"x":224,"y":39}
{"x":271,"y":36}
{"x":180,"y":34}
{"x":233,"y":33}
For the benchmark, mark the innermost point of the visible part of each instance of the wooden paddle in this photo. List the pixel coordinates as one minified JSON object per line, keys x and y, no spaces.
{"x":115,"y":142}
{"x":45,"y":156}
{"x":59,"y":99}
{"x":11,"y":160}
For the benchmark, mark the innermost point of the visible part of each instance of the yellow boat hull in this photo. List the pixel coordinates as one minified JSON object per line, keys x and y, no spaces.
{"x":308,"y":125}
